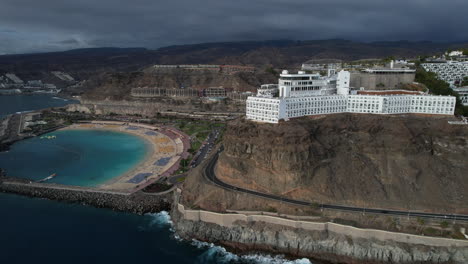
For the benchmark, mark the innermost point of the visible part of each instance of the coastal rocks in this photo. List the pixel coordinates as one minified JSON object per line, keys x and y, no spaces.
{"x":336,"y":248}
{"x":138,"y":203}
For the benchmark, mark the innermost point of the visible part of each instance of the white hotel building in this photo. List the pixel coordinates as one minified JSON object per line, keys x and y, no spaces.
{"x":304,"y":94}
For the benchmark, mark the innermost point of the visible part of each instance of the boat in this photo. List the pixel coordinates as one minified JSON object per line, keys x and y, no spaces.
{"x":48,"y":178}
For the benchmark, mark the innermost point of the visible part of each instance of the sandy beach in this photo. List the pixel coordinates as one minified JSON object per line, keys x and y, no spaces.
{"x":165,"y":150}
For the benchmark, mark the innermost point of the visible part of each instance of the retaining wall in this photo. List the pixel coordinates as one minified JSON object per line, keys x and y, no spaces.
{"x":229,"y":220}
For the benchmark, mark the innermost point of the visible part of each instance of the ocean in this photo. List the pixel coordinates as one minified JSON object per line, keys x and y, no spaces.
{"x":10,"y":104}
{"x":41,"y":231}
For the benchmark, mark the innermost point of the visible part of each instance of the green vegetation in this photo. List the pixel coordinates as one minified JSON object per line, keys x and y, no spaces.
{"x":194,"y":146}
{"x":457,"y":235}
{"x":56,"y":119}
{"x":388,"y":59}
{"x":184,"y":165}
{"x":271,"y":209}
{"x":271,"y":70}
{"x":465,"y":81}
{"x":198,"y":131}
{"x":421,"y":221}
{"x":314,"y":205}
{"x":444,"y":224}
{"x":184,"y":162}
{"x":430,"y":231}
{"x":181,"y":179}
{"x":193,"y":127}
{"x":439,"y":87}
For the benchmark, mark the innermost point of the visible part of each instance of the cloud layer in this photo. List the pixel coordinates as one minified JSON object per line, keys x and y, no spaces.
{"x":50,"y":25}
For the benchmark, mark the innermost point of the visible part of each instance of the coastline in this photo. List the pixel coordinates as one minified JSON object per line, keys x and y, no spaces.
{"x":159,"y":146}
{"x":148,"y":156}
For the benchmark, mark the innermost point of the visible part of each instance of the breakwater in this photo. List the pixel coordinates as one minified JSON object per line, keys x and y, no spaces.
{"x":138,"y":203}
{"x":326,"y":241}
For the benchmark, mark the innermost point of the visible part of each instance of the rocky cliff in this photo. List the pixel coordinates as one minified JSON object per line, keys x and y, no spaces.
{"x":322,"y":245}
{"x":402,"y":162}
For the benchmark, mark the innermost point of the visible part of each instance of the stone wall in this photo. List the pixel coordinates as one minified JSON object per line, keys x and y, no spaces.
{"x":229,"y":220}
{"x":324,"y":241}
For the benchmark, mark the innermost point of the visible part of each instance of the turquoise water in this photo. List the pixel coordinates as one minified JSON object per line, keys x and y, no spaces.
{"x":43,"y":231}
{"x":78,"y":157}
{"x":10,"y":104}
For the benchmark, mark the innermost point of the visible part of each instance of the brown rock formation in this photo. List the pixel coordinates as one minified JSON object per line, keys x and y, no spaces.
{"x":117,"y":86}
{"x":402,"y":162}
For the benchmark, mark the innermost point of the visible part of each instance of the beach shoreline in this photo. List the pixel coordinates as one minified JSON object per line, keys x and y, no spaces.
{"x":159,"y":147}
{"x":148,"y":155}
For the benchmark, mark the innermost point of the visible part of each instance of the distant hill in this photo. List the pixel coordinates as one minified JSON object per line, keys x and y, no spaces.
{"x":286,"y":53}
{"x":79,"y":62}
{"x":112,"y":71}
{"x":279,"y":53}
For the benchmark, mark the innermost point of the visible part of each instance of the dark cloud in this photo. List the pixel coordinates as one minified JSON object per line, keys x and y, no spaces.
{"x":71,"y":41}
{"x":46,"y":25}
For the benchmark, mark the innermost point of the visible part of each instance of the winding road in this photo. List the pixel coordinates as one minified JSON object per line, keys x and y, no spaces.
{"x":211,"y":176}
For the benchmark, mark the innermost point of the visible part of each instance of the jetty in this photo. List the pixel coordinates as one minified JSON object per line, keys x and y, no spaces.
{"x":137,"y":202}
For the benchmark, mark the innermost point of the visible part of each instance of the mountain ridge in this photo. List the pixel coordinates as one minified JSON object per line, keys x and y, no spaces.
{"x":278,"y":53}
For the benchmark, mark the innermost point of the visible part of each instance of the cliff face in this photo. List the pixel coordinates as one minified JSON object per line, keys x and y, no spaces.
{"x":327,"y":246}
{"x":401,"y":162}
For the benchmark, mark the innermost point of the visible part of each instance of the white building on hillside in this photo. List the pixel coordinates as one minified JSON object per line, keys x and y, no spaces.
{"x":451,"y":71}
{"x":304,"y":94}
{"x":455,"y":53}
{"x":463,"y":92}
{"x":268,"y":90}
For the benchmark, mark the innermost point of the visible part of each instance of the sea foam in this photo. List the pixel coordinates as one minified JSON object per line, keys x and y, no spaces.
{"x":58,"y":98}
{"x":217,"y":254}
{"x":161,"y":219}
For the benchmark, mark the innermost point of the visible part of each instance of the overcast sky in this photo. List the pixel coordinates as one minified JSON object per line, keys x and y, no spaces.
{"x":51,"y":25}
